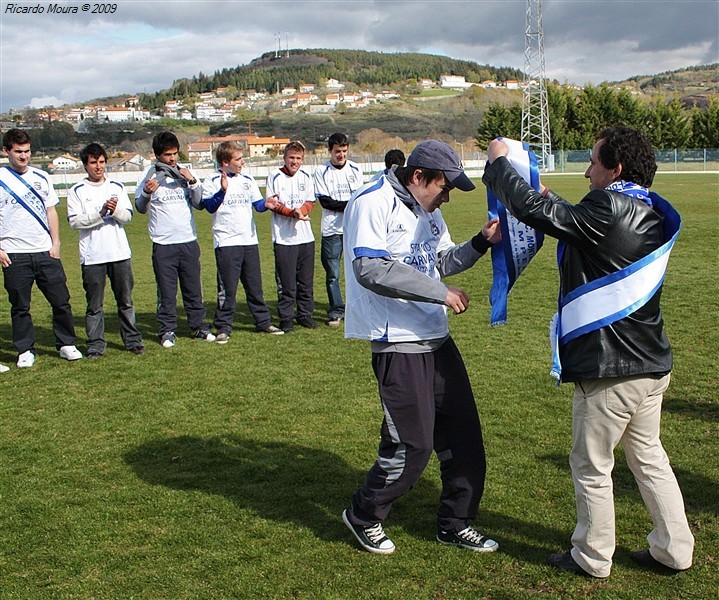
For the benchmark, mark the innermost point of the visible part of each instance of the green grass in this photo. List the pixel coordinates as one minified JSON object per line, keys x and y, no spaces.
{"x":209,"y":471}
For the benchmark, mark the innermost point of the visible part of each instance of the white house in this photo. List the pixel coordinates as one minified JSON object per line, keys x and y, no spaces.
{"x":453,"y":81}
{"x":65,"y":162}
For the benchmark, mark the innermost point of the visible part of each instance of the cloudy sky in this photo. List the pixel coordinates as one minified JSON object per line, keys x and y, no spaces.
{"x":52,"y":59}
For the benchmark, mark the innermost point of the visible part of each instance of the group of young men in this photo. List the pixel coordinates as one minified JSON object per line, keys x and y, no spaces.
{"x":99,"y":208}
{"x":397,"y":249}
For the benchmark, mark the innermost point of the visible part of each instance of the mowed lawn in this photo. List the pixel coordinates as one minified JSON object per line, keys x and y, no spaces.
{"x":208,"y":471}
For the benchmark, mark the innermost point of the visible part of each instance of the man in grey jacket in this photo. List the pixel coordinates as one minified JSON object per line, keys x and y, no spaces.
{"x":397,"y":248}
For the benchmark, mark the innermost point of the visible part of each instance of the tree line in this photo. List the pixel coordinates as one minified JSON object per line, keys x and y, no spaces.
{"x":576,"y":117}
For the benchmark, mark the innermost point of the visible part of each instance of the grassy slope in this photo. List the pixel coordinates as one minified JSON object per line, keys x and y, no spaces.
{"x":210,"y":471}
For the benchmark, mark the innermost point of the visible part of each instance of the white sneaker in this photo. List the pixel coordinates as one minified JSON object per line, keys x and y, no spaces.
{"x":70,"y":353}
{"x":168,"y":339}
{"x":26,"y":359}
{"x":4,"y":369}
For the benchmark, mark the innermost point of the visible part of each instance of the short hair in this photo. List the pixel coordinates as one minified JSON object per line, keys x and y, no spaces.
{"x":405,"y":174}
{"x":163,"y":141}
{"x":226,"y":151}
{"x":630,"y":148}
{"x":337,"y":139}
{"x":295,"y":146}
{"x":15,"y":136}
{"x":394,"y":157}
{"x":93,"y":150}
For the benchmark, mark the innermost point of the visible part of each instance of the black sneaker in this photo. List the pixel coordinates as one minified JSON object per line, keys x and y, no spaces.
{"x":565,"y":561}
{"x":287,"y":326}
{"x":307,"y":322}
{"x":467,"y":538}
{"x":371,"y":538}
{"x":203,"y":334}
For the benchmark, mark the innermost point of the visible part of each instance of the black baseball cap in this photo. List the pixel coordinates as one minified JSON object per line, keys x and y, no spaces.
{"x":433,"y":154}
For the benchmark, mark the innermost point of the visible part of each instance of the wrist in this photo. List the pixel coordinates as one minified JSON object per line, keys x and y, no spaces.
{"x":544,"y":192}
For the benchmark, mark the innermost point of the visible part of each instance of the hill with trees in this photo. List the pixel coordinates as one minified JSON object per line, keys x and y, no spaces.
{"x":361,"y":67}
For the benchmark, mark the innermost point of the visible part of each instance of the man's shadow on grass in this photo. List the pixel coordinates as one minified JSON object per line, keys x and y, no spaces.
{"x":310,"y":487}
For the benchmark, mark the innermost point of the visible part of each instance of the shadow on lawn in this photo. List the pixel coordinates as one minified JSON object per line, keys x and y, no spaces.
{"x":276,"y":480}
{"x":307,"y":486}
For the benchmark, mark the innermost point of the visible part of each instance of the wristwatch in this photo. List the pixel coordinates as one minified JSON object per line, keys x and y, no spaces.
{"x":192,"y":181}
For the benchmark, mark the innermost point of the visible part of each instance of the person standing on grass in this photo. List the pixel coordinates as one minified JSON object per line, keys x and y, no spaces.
{"x":291,"y":197}
{"x":397,"y":248}
{"x":612,"y":254}
{"x":99,"y":208}
{"x":335,"y":181}
{"x":229,"y":196}
{"x":30,"y":250}
{"x":170,"y":192}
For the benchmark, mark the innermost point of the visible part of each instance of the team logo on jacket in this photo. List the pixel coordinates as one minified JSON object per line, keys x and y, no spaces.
{"x":400,"y":228}
{"x":433,"y":227}
{"x":302,"y":187}
{"x":246,"y":186}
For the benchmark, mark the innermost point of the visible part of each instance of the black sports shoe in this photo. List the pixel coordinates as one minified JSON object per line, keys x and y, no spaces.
{"x":307,"y":322}
{"x":371,"y":538}
{"x":287,"y":326}
{"x":467,"y":538}
{"x":565,"y":561}
{"x":644,"y":559}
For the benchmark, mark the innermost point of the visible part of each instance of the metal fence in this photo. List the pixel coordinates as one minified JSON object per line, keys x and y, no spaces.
{"x":703,"y":159}
{"x":565,"y":161}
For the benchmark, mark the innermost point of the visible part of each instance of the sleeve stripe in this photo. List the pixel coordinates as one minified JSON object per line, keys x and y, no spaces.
{"x":362,"y":251}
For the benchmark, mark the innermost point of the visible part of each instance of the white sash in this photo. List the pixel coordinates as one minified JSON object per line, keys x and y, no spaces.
{"x":520,"y":242}
{"x":613,"y":297}
{"x":25,"y":195}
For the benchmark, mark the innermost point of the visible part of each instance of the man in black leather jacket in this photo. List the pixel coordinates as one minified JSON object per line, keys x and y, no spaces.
{"x":620,"y":370}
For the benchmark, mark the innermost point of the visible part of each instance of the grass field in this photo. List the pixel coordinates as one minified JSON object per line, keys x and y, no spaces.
{"x":209,"y":471}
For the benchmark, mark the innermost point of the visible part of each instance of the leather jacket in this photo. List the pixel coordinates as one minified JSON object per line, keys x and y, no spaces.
{"x":605,"y":232}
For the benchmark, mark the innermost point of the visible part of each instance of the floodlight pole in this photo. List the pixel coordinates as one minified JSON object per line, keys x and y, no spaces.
{"x":535,"y":108}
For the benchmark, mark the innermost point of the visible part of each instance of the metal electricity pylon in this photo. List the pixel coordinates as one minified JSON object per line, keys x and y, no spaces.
{"x":535,"y":108}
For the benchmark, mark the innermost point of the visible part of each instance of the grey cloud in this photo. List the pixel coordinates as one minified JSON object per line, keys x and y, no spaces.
{"x":584,"y":41}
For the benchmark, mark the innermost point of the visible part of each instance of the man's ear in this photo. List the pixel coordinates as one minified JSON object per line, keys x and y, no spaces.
{"x":617,"y":172}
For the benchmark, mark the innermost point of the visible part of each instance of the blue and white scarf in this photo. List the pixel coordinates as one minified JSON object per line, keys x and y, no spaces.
{"x":613,"y":297}
{"x":520,"y":242}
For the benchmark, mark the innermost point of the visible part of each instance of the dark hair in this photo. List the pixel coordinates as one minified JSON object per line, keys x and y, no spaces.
{"x":15,"y":136}
{"x":337,"y":139}
{"x":630,"y":148}
{"x":163,"y":141}
{"x":92,"y":151}
{"x":394,"y":157}
{"x":405,"y":174}
{"x":295,"y":146}
{"x":226,"y":151}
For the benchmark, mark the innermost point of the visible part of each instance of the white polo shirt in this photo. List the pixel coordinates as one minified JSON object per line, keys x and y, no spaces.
{"x":21,"y":230}
{"x":378,"y":224}
{"x":338,"y":184}
{"x":293,"y":192}
{"x":106,"y":242}
{"x":233,"y":223}
{"x":171,"y":220}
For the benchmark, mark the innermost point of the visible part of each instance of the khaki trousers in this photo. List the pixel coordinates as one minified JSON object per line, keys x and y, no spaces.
{"x":627,"y":410}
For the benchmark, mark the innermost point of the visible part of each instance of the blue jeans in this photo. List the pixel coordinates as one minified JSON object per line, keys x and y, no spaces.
{"x":331,"y":256}
{"x":121,"y":282}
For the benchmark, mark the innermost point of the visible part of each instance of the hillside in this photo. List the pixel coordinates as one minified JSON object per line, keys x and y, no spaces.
{"x":358,"y":67}
{"x":693,"y":85}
